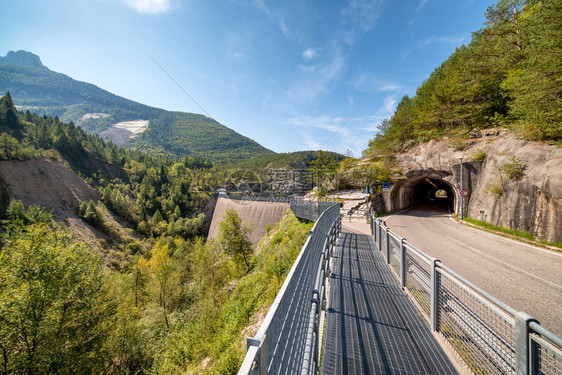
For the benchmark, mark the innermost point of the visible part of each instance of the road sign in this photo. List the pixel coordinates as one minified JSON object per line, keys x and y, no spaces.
{"x":464,"y":193}
{"x":385,"y":186}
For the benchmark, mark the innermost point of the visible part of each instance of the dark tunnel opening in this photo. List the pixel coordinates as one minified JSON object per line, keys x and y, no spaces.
{"x":422,"y":191}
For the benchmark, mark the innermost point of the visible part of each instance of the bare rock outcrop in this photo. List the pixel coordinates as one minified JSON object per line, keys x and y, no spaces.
{"x":45,"y":182}
{"x":531,"y":203}
{"x":51,"y":185}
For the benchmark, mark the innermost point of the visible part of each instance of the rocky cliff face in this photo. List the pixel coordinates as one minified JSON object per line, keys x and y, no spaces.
{"x":531,"y":203}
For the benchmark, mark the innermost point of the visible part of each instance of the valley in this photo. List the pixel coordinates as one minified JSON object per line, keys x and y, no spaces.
{"x":141,"y":240}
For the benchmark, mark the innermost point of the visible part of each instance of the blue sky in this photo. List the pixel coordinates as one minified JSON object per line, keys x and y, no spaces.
{"x":287,"y":74}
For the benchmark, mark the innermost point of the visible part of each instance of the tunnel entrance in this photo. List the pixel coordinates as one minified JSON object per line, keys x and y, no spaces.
{"x":441,"y":194}
{"x":422,"y":188}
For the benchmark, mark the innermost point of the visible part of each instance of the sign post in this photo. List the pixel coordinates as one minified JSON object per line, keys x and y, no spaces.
{"x":385,"y":190}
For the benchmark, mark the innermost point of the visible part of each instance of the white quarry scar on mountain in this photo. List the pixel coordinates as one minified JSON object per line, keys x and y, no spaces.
{"x":135,"y":127}
{"x":121,"y":132}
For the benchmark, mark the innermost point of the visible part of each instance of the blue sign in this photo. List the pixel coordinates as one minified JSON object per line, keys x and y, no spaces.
{"x":386,"y":185}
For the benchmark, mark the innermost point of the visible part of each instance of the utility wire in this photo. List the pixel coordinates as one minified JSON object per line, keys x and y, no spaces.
{"x":177,"y":84}
{"x":365,"y":102}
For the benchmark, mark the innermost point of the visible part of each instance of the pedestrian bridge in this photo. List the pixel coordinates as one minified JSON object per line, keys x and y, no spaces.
{"x":375,"y":304}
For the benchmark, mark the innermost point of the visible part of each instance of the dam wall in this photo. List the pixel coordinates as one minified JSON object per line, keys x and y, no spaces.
{"x":261,"y":213}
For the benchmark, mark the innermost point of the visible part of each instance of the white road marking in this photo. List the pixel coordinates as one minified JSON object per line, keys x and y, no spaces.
{"x":486,"y":255}
{"x":547,"y":251}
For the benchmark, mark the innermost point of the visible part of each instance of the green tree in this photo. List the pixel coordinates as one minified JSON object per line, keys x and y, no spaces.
{"x":234,"y":237}
{"x":16,"y":211}
{"x":160,"y":268}
{"x":89,"y":212}
{"x":535,"y":83}
{"x":8,"y":117}
{"x":52,"y":305}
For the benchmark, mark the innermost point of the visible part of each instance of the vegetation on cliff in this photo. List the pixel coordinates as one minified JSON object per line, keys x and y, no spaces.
{"x":509,"y":75}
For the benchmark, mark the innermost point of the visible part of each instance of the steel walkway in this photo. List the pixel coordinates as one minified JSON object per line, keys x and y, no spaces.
{"x":371,"y":325}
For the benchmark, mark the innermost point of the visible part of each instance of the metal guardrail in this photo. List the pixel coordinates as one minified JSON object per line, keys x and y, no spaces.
{"x":287,"y":341}
{"x":489,"y":336}
{"x":309,"y":210}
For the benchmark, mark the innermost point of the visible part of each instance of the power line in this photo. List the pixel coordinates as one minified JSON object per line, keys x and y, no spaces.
{"x":177,"y":84}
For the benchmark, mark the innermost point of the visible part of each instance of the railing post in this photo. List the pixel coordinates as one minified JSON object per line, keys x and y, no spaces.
{"x":374,"y":229}
{"x":526,"y":352}
{"x":435,"y":287}
{"x":380,"y":236}
{"x":402,"y":263}
{"x":260,"y":364}
{"x":387,"y":245}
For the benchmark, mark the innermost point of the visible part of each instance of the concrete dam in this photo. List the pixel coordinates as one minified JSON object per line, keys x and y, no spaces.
{"x":261,"y":213}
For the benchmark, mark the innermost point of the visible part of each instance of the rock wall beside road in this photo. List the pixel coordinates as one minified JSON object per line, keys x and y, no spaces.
{"x":532,"y":204}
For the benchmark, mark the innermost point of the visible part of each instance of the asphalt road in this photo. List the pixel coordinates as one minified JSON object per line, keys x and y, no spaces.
{"x":526,"y":277}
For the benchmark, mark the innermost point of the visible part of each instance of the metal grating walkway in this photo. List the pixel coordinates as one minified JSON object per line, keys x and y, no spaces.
{"x":372,"y":327}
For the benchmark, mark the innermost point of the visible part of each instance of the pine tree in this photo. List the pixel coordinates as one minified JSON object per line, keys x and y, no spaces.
{"x":8,"y":117}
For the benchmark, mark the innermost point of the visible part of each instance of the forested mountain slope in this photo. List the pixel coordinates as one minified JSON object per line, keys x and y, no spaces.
{"x":509,"y":75}
{"x":33,"y":86}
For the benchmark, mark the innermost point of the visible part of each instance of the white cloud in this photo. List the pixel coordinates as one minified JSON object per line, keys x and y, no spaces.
{"x":373,"y":123}
{"x":323,"y":122}
{"x":454,"y":40}
{"x":316,"y":79}
{"x":331,"y":132}
{"x":307,"y":68}
{"x":283,"y":26}
{"x":368,"y":83}
{"x":309,"y":54}
{"x":363,"y":13}
{"x":150,"y":6}
{"x":384,"y":112}
{"x":442,"y":40}
{"x":237,"y":45}
{"x":277,"y":17}
{"x":421,"y":5}
{"x":388,"y":106}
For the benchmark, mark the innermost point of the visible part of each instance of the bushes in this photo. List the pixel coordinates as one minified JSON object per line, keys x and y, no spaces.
{"x":211,"y":338}
{"x":51,"y":295}
{"x":514,"y":170}
{"x":479,"y":155}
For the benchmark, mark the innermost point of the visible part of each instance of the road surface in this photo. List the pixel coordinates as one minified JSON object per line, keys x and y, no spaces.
{"x":526,"y":277}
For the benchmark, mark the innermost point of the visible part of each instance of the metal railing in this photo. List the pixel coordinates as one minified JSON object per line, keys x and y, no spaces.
{"x":309,"y":210}
{"x":288,"y":339}
{"x":489,"y":336}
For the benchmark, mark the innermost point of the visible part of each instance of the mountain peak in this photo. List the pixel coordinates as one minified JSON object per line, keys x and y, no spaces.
{"x":21,"y":58}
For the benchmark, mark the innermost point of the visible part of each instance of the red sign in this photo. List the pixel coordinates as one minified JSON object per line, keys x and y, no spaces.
{"x":464,"y":193}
